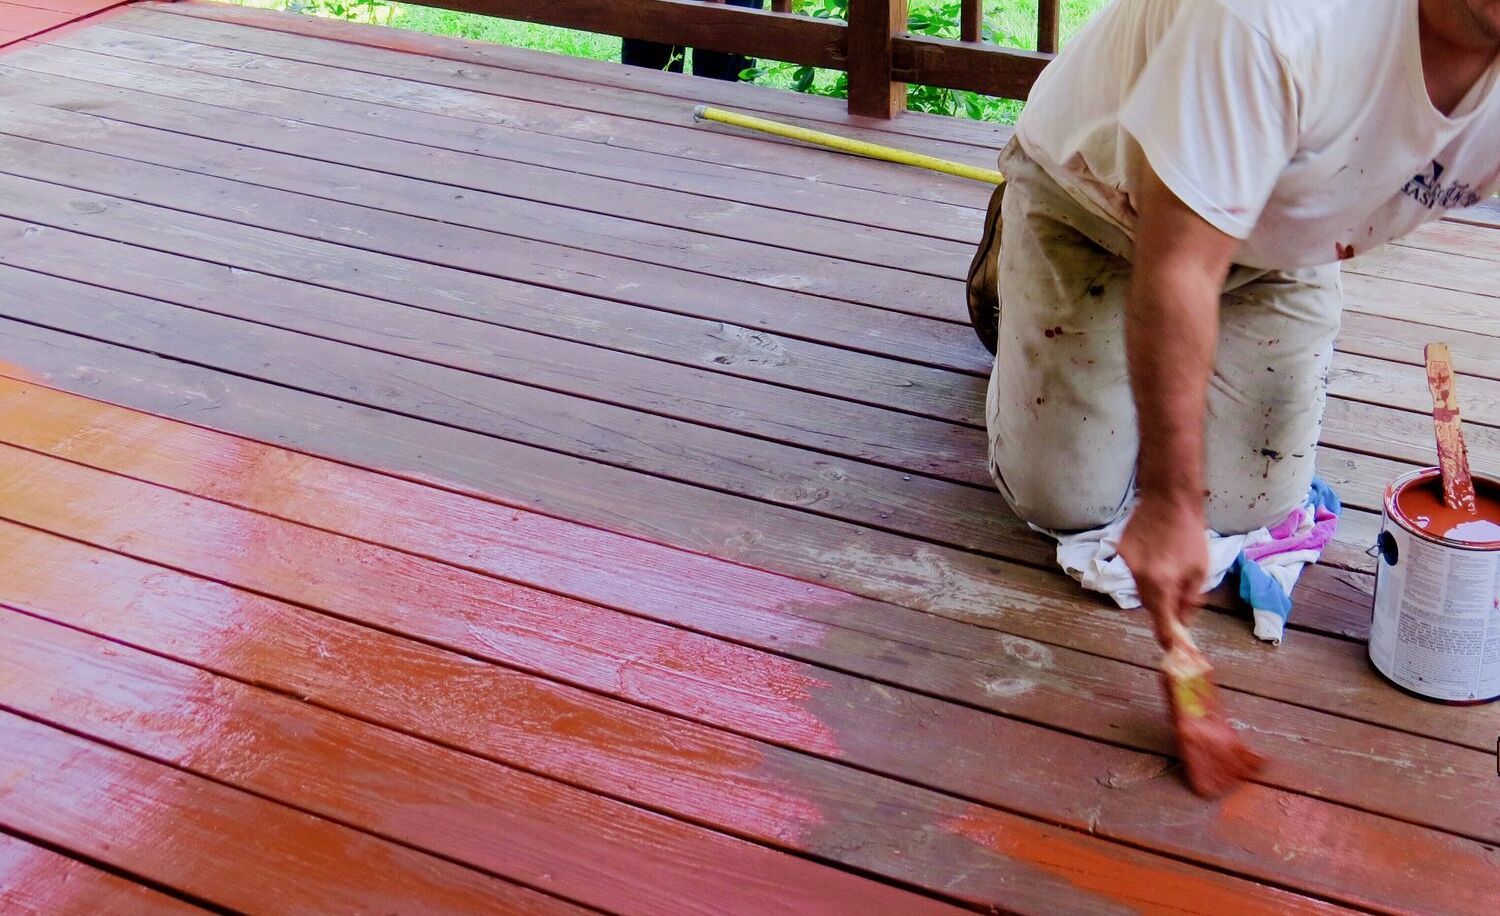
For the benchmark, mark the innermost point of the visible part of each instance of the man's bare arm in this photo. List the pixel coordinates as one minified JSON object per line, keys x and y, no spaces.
{"x":1171,"y":331}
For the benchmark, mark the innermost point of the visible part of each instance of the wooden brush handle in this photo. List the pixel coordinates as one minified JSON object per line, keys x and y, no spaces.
{"x":1453,"y":454}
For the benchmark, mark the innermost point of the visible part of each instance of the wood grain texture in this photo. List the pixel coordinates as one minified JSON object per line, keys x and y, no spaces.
{"x":507,"y":281}
{"x":971,"y":20}
{"x":955,"y":133}
{"x":747,"y":606}
{"x":1048,"y":25}
{"x":956,"y":848}
{"x":963,"y":516}
{"x":873,"y":26}
{"x":961,"y":587}
{"x":344,"y":159}
{"x":29,"y":20}
{"x":988,"y":69}
{"x":1453,"y":454}
{"x":838,"y":377}
{"x":185,"y":832}
{"x":390,"y":81}
{"x":35,"y":881}
{"x":76,"y":7}
{"x":232,"y":102}
{"x":496,"y":819}
{"x":569,"y":233}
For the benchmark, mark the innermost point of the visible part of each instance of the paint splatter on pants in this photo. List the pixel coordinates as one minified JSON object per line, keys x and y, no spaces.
{"x":1061,"y":416}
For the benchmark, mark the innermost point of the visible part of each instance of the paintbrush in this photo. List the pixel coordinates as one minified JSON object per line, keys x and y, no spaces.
{"x":1453,"y":454}
{"x":1215,"y":758}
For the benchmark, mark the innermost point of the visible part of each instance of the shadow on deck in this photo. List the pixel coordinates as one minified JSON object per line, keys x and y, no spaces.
{"x":444,"y":477}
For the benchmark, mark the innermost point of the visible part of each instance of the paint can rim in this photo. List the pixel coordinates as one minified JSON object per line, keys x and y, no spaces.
{"x":1395,"y":513}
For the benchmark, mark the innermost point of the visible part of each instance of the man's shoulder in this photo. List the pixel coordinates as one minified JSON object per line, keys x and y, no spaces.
{"x":1295,"y":27}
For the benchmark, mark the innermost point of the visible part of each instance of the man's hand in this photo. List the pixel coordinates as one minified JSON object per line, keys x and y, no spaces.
{"x":1171,"y":329}
{"x":1166,"y":548}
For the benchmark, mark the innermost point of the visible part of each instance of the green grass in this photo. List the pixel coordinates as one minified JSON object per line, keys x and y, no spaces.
{"x":1008,"y":22}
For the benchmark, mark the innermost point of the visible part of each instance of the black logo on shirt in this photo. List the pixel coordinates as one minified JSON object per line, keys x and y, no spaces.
{"x":1426,"y":188}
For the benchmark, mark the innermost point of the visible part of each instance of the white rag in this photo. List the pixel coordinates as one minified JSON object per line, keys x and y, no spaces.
{"x":1093,"y":558}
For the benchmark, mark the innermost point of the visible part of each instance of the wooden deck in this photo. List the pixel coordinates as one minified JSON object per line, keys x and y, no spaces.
{"x":442,"y":478}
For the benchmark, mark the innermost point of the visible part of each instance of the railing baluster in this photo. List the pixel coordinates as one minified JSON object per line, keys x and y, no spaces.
{"x":1048,"y":21}
{"x":971,"y":20}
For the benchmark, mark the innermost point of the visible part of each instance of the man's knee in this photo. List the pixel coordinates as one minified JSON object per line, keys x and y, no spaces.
{"x":1055,"y":500}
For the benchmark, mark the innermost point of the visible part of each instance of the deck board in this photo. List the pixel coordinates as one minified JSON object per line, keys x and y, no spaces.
{"x":490,"y":817}
{"x":422,"y":603}
{"x":189,"y":833}
{"x":640,"y":579}
{"x":627,"y":752}
{"x":958,"y":585}
{"x":669,"y":439}
{"x":35,"y":881}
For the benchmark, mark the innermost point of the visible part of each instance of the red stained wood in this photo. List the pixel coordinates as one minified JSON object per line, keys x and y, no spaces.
{"x":35,"y":881}
{"x":76,"y":7}
{"x":520,"y":546}
{"x":29,"y":20}
{"x":618,"y":858}
{"x":194,"y":835}
{"x":873,"y":25}
{"x":982,"y":524}
{"x":971,"y":20}
{"x":670,"y":765}
{"x":1453,"y":454}
{"x":1032,"y":671}
{"x":813,"y":681}
{"x":988,"y":69}
{"x":956,"y":584}
{"x":1048,"y":25}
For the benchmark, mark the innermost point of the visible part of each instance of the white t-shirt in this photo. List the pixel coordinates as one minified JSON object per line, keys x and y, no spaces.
{"x":1302,"y":127}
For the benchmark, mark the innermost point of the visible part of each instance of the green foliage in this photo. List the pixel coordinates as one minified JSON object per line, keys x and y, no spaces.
{"x":376,"y":12}
{"x":1006,"y":22}
{"x":938,"y":18}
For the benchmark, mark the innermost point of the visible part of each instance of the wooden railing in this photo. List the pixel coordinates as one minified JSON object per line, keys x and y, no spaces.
{"x":874,"y":46}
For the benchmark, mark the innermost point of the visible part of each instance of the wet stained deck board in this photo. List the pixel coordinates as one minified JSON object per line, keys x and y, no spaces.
{"x":486,"y":815}
{"x":35,"y":881}
{"x":658,"y":347}
{"x":194,"y":835}
{"x":772,"y":796}
{"x":423,"y":590}
{"x":23,"y":19}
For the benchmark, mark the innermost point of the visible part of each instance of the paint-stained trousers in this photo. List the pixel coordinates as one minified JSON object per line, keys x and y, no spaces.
{"x":1061,"y":416}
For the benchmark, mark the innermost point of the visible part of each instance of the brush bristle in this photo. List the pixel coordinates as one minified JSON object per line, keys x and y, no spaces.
{"x":1214,"y":757}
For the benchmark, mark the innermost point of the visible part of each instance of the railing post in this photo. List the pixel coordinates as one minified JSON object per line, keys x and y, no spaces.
{"x":1048,"y":21}
{"x":872,"y":24}
{"x":971,"y":20}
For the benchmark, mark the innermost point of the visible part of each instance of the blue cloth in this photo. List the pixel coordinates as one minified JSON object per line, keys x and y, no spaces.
{"x":1263,"y":593}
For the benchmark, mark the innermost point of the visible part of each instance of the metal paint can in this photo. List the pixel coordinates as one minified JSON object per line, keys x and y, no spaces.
{"x":1436,"y":625}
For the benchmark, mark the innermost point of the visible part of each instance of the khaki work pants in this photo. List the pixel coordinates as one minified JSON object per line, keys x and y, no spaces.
{"x":1061,"y":417}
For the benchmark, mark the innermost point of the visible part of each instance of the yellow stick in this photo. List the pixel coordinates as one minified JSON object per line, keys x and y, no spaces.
{"x":845,"y":144}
